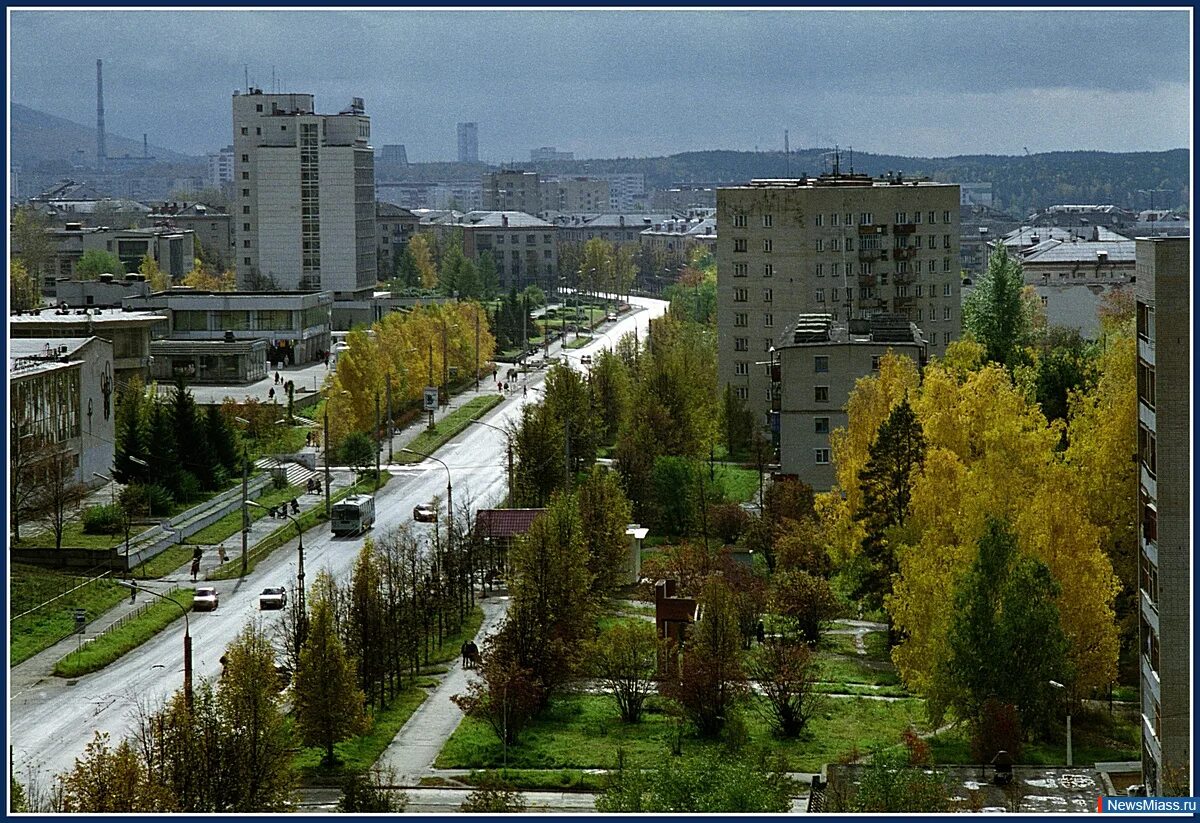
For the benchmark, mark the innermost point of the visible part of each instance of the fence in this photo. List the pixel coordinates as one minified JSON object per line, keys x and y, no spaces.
{"x":136,"y":613}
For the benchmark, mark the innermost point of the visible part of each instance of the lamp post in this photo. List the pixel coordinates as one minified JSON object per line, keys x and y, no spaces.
{"x":299,"y":572}
{"x":508,"y":448}
{"x":1058,"y":685}
{"x":449,"y":494}
{"x":187,"y":638}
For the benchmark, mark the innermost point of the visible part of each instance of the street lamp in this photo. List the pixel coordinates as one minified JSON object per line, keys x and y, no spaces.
{"x":299,"y":573}
{"x":1058,"y":685}
{"x":187,"y":638}
{"x":449,"y":492}
{"x":509,"y":449}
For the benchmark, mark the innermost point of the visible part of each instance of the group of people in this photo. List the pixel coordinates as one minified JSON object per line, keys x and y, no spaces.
{"x":470,"y":654}
{"x":280,"y":511}
{"x":310,"y":439}
{"x":314,"y":485}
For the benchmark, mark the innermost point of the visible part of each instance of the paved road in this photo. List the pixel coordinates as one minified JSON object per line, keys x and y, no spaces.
{"x":51,"y":722}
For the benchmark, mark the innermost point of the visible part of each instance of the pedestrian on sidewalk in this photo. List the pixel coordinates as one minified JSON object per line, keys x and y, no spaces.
{"x":271,"y":394}
{"x":276,"y":378}
{"x":221,"y":553}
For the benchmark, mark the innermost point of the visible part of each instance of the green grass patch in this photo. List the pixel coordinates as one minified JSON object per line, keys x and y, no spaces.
{"x":429,"y":441}
{"x":111,"y":645}
{"x":537,"y":780}
{"x":165,"y":562}
{"x":360,"y":753}
{"x":452,"y":644}
{"x":74,"y":538}
{"x":307,"y":520}
{"x":577,"y":342}
{"x":31,"y":586}
{"x":609,"y":621}
{"x":856,"y":670}
{"x":877,"y":646}
{"x":1096,"y":737}
{"x":231,"y":524}
{"x":838,"y":643}
{"x":740,"y":485}
{"x":585,"y":732}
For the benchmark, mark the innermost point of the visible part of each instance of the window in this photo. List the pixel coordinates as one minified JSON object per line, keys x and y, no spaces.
{"x":849,"y":219}
{"x":917,"y":217}
{"x":820,"y":425}
{"x":820,"y":244}
{"x":741,"y":319}
{"x":835,"y":269}
{"x":768,"y":220}
{"x":901,"y":217}
{"x":945,"y":217}
{"x":822,"y":456}
{"x":245,"y":227}
{"x":741,"y":368}
{"x":739,"y":221}
{"x":945,"y":312}
{"x":245,"y":209}
{"x":546,"y":238}
{"x":820,"y":295}
{"x":835,"y":244}
{"x":866,"y":268}
{"x":833,"y":219}
{"x":945,"y":264}
{"x":245,"y":175}
{"x":546,"y":253}
{"x":500,"y":239}
{"x":741,"y":295}
{"x":768,"y":320}
{"x":946,"y":290}
{"x":766,"y":295}
{"x":945,"y":241}
{"x":835,"y":295}
{"x":901,"y":291}
{"x":1145,"y":322}
{"x":920,"y":290}
{"x":820,"y":394}
{"x":246,"y":260}
{"x":820,"y":270}
{"x":742,"y":392}
{"x":875,"y":362}
{"x":1148,"y":449}
{"x":767,"y":245}
{"x":768,"y":344}
{"x":739,"y":269}
{"x":1146,"y":383}
{"x":768,"y":270}
{"x":245,"y":130}
{"x":817,"y":221}
{"x":739,"y":244}
{"x":849,"y":244}
{"x":258,"y":130}
{"x":245,"y":192}
{"x":933,"y":339}
{"x":245,"y":244}
{"x":916,"y":241}
{"x":932,"y":217}
{"x":917,"y":266}
{"x":866,"y":218}
{"x":920,"y":315}
{"x":821,"y":363}
{"x":741,"y":344}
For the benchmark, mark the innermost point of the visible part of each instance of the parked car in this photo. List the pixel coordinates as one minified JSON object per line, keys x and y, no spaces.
{"x":610,"y":316}
{"x":425,"y":513}
{"x":205,"y":599}
{"x":585,"y":359}
{"x":273,"y":597}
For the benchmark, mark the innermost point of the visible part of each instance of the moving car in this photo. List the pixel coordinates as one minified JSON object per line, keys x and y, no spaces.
{"x":610,"y":316}
{"x":425,"y":513}
{"x":205,"y":599}
{"x":274,"y":597}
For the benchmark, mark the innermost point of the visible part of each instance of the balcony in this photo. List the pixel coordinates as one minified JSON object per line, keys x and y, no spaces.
{"x":872,"y":303}
{"x":871,"y":229}
{"x":904,"y":228}
{"x":903,"y":302}
{"x":904,"y":278}
{"x":866,"y":281}
{"x":905,"y":253}
{"x":868,"y":255}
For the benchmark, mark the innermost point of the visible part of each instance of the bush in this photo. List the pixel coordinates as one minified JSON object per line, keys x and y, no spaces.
{"x":146,"y":499}
{"x":103,"y":520}
{"x":190,"y":488}
{"x":997,"y":729}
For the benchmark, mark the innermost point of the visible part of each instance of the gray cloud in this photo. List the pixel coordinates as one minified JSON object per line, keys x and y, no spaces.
{"x":616,"y":82}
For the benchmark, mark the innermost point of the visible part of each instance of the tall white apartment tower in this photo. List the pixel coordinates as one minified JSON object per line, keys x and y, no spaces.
{"x":303,"y":202}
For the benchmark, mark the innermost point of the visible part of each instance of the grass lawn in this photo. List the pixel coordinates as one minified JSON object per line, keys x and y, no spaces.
{"x":360,"y":753}
{"x":74,"y":538}
{"x":31,"y":586}
{"x":231,"y":524}
{"x":428,"y":442}
{"x":540,"y":780}
{"x":577,"y":343}
{"x":164,"y":562}
{"x":740,"y":484}
{"x":1095,"y":737}
{"x":855,"y":670}
{"x":111,"y":645}
{"x":584,"y":731}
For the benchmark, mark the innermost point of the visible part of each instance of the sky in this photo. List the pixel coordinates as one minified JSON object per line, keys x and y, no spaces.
{"x":613,"y":83}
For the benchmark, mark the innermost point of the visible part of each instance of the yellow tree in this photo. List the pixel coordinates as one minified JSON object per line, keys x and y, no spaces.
{"x":422,"y":256}
{"x":158,"y":280}
{"x":23,"y":290}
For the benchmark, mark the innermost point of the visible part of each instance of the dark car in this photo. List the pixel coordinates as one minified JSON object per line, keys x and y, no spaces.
{"x":274,"y":597}
{"x":425,"y":513}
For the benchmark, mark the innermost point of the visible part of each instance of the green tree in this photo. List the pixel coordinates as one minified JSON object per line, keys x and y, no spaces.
{"x":112,"y":780}
{"x":996,"y":313}
{"x":366,"y":792}
{"x":489,"y":282}
{"x":737,"y":422}
{"x":365,"y":631}
{"x":886,"y":485}
{"x":358,"y":451}
{"x":610,"y":384}
{"x":1066,"y":363}
{"x":469,"y":287}
{"x":191,"y":437}
{"x":892,"y":782}
{"x":1006,"y":640}
{"x":95,"y":262}
{"x":406,"y":268}
{"x":328,"y":701}
{"x":24,"y":292}
{"x":604,"y":512}
{"x":806,"y":601}
{"x":625,"y":661}
{"x":534,"y":296}
{"x":698,"y":784}
{"x":538,"y":449}
{"x":451,"y":269}
{"x":30,"y":242}
{"x":787,"y":675}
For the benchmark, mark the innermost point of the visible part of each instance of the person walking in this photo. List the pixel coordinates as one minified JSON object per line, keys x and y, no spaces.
{"x":276,"y":378}
{"x":271,"y":394}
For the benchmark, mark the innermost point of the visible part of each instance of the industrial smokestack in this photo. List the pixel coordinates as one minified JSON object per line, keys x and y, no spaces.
{"x":145,"y":145}
{"x":101,"y":153}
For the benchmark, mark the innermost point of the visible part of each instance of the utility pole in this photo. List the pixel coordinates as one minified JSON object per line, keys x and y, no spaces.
{"x":389,"y":418}
{"x":477,"y":352}
{"x":245,"y":509}
{"x":430,"y":383}
{"x":325,"y":445}
{"x":378,"y":445}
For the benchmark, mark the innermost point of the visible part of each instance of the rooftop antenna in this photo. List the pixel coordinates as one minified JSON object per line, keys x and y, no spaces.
{"x":852,"y":159}
{"x":274,"y":85}
{"x":787,"y":153}
{"x":837,"y":160}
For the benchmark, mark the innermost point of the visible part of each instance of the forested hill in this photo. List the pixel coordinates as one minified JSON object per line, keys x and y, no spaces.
{"x":1019,"y":183}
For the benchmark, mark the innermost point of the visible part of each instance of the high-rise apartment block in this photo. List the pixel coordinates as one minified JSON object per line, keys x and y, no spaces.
{"x":843,"y":244}
{"x":220,"y":168}
{"x":468,"y":142}
{"x":1162,"y":291}
{"x":304,"y":195}
{"x":512,"y":190}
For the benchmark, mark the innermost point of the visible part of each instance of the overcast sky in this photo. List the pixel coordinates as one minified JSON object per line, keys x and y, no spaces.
{"x":623,"y":83}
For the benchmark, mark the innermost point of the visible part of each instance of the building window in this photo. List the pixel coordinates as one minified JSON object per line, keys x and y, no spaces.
{"x":246,"y":260}
{"x":1146,"y":383}
{"x":917,"y":241}
{"x":822,"y":456}
{"x":933,"y":339}
{"x":902,"y":291}
{"x":245,"y":130}
{"x":245,"y":158}
{"x":245,"y":209}
{"x":1145,"y":322}
{"x":739,"y":221}
{"x":835,"y":295}
{"x":875,"y":362}
{"x":945,"y":217}
{"x":742,"y":392}
{"x":920,"y":315}
{"x":768,"y":270}
{"x":245,"y":175}
{"x":917,"y":217}
{"x":1148,"y":449}
{"x":741,"y":295}
{"x":820,"y":295}
{"x":901,"y":217}
{"x":741,"y":319}
{"x":945,"y":312}
{"x":766,"y":295}
{"x":946,"y":290}
{"x":768,"y":320}
{"x":768,"y":344}
{"x":768,"y":221}
{"x":945,"y":264}
{"x":741,"y":368}
{"x":849,"y":219}
{"x":245,"y":244}
{"x":820,"y":394}
{"x":849,"y":244}
{"x":866,"y":268}
{"x":767,"y":245}
{"x":739,"y":244}
{"x":741,"y":344}
{"x":245,"y":192}
{"x":245,"y":227}
{"x":820,"y":270}
{"x":817,"y":220}
{"x":820,"y":244}
{"x":836,"y":268}
{"x":739,"y":269}
{"x":932,"y":217}
{"x":920,"y":290}
{"x":835,"y":244}
{"x":821,"y":363}
{"x":866,"y":218}
{"x":820,"y":425}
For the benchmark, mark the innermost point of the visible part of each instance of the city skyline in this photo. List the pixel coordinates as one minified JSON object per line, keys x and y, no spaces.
{"x":906,"y":82}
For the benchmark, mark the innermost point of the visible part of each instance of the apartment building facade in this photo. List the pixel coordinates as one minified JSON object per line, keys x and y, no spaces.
{"x":304,"y":195}
{"x":512,"y":190}
{"x":843,"y":244}
{"x":1162,"y":293}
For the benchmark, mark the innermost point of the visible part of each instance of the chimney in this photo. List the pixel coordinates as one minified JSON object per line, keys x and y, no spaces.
{"x":101,"y":152}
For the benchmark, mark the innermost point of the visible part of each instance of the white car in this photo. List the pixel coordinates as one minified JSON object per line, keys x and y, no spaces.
{"x":274,"y":597}
{"x":205,"y":600}
{"x":425,"y":513}
{"x":610,"y":316}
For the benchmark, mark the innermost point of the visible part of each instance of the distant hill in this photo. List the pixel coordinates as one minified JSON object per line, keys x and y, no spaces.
{"x":1019,"y":183}
{"x":40,"y":139}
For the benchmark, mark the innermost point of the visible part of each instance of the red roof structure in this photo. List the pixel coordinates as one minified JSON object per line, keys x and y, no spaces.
{"x":504,"y":524}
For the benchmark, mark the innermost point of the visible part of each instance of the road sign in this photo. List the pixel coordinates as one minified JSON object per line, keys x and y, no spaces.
{"x":431,"y":398}
{"x":80,"y":621}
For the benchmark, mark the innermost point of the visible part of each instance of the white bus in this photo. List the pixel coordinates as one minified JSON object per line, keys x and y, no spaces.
{"x":353,"y":515}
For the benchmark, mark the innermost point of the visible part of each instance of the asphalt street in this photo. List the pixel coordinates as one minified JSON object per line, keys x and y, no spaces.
{"x":51,"y":721}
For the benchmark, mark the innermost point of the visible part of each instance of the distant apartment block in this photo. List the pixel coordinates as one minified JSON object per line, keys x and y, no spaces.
{"x":304,"y":195}
{"x":394,"y":227}
{"x":220,"y":168}
{"x":682,"y":198}
{"x":1164,"y":374}
{"x":524,"y":247}
{"x":624,"y":229}
{"x":843,"y":244}
{"x":129,"y":333}
{"x":626,"y":191}
{"x":458,"y":195}
{"x":468,"y":142}
{"x":211,"y":226}
{"x":393,"y":155}
{"x":574,"y":194}
{"x":975,"y":194}
{"x":512,"y":190}
{"x":549,"y":154}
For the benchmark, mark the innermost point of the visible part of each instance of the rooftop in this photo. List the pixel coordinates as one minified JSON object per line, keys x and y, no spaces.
{"x":505,"y":522}
{"x":1081,"y":251}
{"x":66,"y":317}
{"x":821,"y":329}
{"x":504,"y":219}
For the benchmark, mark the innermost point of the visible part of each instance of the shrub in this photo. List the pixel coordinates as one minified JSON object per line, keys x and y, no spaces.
{"x":190,"y":488}
{"x":146,"y":499}
{"x":103,"y":520}
{"x":998,"y":729}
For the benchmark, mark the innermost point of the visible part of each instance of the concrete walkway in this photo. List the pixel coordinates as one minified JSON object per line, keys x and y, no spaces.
{"x":411,"y":753}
